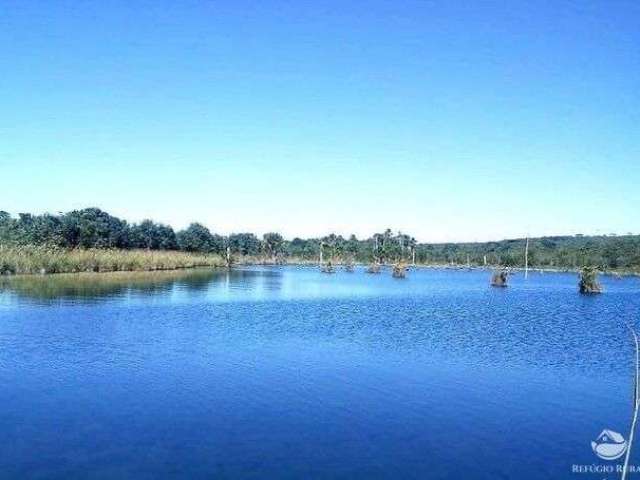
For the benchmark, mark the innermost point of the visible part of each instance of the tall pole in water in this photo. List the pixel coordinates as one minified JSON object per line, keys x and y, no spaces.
{"x":321,"y":253}
{"x":636,"y":404}
{"x":526,"y":259}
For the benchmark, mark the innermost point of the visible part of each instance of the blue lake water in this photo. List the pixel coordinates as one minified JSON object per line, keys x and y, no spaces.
{"x":291,"y":373}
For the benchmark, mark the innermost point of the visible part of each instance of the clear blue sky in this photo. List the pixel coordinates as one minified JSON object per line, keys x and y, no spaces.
{"x":447,"y":120}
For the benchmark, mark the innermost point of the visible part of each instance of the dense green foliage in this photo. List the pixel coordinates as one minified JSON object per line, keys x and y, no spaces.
{"x":198,"y":238}
{"x":244,"y":244}
{"x":94,"y":228}
{"x":604,"y":252}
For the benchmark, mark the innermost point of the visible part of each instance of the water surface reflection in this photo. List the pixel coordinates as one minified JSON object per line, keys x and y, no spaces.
{"x":263,"y":372}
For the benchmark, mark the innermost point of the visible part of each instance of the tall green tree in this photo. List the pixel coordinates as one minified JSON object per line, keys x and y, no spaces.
{"x":244,"y":243}
{"x":273,"y":244}
{"x":153,"y":236}
{"x":197,"y":238}
{"x":91,"y":227}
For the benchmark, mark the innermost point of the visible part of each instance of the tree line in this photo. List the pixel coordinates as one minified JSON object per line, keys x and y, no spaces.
{"x":94,"y":228}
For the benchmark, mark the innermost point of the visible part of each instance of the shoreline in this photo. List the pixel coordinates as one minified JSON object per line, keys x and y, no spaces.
{"x":218,"y":263}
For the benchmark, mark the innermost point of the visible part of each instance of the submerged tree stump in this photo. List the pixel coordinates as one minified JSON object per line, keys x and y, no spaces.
{"x":374,"y":268}
{"x":327,"y":268}
{"x":348,"y":267}
{"x":399,"y":270}
{"x":500,"y":279}
{"x":589,"y":281}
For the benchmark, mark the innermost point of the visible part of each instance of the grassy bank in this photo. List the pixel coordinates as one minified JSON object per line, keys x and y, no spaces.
{"x":26,"y":260}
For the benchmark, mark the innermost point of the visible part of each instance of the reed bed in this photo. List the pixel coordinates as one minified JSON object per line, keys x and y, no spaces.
{"x":42,"y":260}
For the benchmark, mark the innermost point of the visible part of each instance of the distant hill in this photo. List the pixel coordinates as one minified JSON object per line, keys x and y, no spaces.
{"x":606,"y":252}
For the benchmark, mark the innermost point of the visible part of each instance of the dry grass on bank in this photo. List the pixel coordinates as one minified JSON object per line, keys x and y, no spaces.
{"x":26,"y":260}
